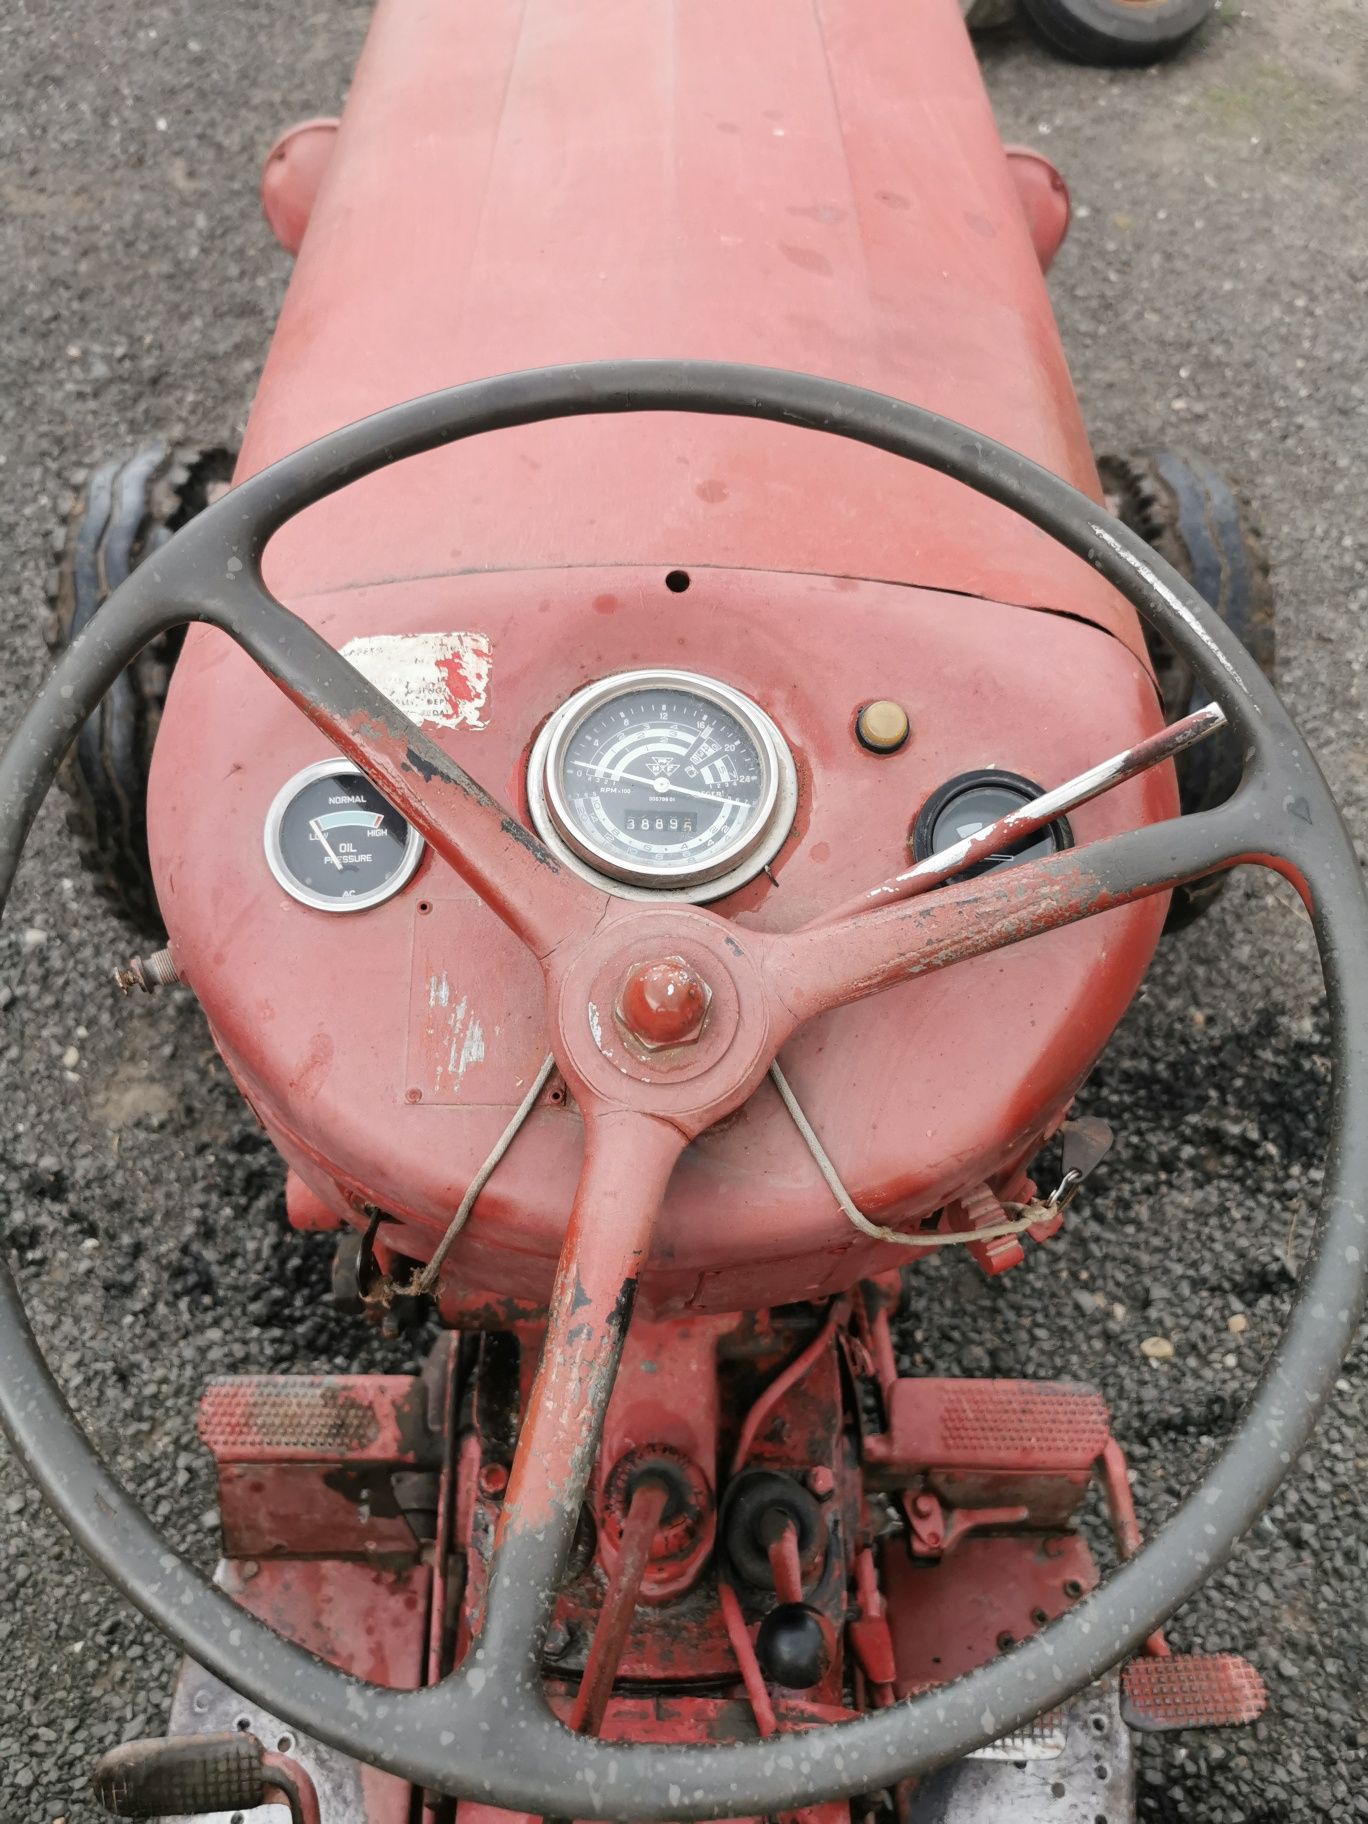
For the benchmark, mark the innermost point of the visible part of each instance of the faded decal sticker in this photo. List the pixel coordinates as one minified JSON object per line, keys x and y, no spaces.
{"x":441,"y":679}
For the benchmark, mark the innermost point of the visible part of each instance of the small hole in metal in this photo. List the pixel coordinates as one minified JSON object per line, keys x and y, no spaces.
{"x":1098,"y":1724}
{"x":1102,"y":1771}
{"x":243,"y":1723}
{"x":284,"y":1745}
{"x":677,"y":581}
{"x":1073,"y":1587}
{"x":1039,"y":1617}
{"x":425,"y":905}
{"x":1005,"y":1641}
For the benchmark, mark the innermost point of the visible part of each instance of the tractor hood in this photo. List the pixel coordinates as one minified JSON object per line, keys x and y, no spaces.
{"x":815,"y":187}
{"x":524,"y":183}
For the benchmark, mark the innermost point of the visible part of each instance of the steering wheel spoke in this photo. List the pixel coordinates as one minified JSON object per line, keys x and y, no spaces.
{"x":628,"y":1159}
{"x":828,"y":965}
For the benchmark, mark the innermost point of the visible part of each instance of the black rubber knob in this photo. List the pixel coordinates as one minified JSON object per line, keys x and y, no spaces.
{"x":178,"y":1775}
{"x":792,"y":1646}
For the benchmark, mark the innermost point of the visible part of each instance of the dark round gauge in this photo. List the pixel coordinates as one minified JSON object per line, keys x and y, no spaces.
{"x":962,"y":806}
{"x":335,"y":843}
{"x":664,"y":780}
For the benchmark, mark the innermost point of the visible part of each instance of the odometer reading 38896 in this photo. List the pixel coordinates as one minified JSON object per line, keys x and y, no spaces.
{"x":663,"y":780}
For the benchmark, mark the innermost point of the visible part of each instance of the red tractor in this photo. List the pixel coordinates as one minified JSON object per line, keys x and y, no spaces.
{"x":571,"y":796}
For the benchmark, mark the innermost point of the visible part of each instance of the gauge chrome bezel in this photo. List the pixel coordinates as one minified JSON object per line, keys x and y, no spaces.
{"x":733,"y":865}
{"x":337,"y":768}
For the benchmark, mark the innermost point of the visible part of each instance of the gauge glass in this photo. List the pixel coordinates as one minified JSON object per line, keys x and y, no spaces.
{"x":664,"y":779}
{"x":964,"y":806}
{"x":334,"y":842}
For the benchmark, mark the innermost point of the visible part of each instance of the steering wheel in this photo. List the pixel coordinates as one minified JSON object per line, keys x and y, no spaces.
{"x":487,"y":1731}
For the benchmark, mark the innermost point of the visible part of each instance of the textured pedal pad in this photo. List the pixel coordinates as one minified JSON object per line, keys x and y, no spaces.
{"x":1042,"y":1740}
{"x":312,"y":1418}
{"x":181,"y":1775}
{"x":1033,"y":1427}
{"x":1191,"y":1691}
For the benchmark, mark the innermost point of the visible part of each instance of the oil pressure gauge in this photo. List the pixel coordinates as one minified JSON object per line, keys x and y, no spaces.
{"x":662,"y":782}
{"x":335,"y":843}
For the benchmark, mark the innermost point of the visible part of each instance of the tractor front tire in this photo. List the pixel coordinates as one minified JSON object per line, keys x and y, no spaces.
{"x":1189,"y":513}
{"x":1118,"y":31}
{"x":123,"y":511}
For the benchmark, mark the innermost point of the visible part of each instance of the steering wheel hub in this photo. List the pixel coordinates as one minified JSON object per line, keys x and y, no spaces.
{"x":665,"y":1011}
{"x":663,"y":1004}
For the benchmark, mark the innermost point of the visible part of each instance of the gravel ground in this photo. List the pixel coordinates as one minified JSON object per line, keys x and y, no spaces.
{"x":1213,"y":292}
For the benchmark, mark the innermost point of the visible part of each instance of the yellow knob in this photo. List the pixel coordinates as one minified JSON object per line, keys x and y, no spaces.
{"x":882,"y":727}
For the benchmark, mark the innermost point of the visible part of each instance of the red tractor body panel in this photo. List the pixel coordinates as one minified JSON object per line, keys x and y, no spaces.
{"x":819,"y":189}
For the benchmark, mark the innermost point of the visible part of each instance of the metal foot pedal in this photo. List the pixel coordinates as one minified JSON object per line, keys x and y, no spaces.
{"x":332,"y":1465}
{"x":196,"y":1775}
{"x":181,"y":1773}
{"x":1032,"y":1426}
{"x":1191,"y":1691}
{"x":311,"y":1418}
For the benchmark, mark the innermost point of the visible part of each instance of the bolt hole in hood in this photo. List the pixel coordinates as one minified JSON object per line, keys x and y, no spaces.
{"x":523,"y":184}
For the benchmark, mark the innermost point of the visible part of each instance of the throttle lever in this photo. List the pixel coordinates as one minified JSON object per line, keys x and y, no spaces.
{"x":196,"y":1775}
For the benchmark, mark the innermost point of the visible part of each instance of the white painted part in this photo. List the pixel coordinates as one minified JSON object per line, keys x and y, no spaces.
{"x":472,"y":1050}
{"x":465,"y":1040}
{"x":437,"y":679}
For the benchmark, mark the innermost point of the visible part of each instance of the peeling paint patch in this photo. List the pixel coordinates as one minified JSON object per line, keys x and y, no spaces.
{"x":439,"y":679}
{"x":472,"y":1049}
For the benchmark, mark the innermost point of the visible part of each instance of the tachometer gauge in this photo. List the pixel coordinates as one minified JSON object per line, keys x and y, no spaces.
{"x":663,"y":782}
{"x":335,"y":843}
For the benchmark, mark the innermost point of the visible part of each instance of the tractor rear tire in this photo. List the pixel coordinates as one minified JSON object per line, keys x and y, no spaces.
{"x":1189,"y":513}
{"x":124,"y":510}
{"x":1118,"y":31}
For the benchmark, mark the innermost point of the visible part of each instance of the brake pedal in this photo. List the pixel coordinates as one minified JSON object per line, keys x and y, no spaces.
{"x":197,"y":1775}
{"x":173,"y":1775}
{"x":1191,"y":1691}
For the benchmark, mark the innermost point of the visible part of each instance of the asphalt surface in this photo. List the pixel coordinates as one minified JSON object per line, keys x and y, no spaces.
{"x":1214,"y":293}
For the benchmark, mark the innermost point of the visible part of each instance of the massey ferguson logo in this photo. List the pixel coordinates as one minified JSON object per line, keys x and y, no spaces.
{"x":661,"y":766}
